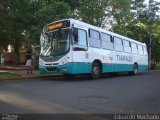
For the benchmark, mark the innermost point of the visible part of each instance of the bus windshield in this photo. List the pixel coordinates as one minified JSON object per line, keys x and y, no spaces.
{"x":54,"y":43}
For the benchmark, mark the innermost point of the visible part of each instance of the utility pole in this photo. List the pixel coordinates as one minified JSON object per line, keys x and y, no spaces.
{"x":150,"y":36}
{"x":150,"y":50}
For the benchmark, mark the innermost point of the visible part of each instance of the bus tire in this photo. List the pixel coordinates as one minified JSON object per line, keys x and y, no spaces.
{"x":135,"y":69}
{"x":96,"y":70}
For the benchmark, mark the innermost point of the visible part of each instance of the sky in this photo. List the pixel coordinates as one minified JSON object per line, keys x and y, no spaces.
{"x":146,"y":1}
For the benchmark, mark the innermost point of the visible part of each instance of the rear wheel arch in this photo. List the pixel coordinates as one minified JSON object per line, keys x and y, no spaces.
{"x":134,"y":69}
{"x":96,"y":69}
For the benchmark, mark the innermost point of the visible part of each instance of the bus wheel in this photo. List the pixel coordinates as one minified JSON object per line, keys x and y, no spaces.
{"x":135,"y":70}
{"x":96,"y":70}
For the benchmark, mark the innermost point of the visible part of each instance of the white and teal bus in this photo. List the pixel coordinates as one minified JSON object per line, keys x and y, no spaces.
{"x":73,"y":47}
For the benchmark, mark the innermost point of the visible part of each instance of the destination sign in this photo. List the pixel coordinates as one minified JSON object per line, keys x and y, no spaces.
{"x":54,"y":26}
{"x":58,"y":25}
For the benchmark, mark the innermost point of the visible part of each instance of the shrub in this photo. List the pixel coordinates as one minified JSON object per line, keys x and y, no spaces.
{"x":154,"y":66}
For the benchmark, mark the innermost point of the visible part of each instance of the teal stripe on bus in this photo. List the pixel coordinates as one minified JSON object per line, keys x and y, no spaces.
{"x":121,"y":67}
{"x":83,"y":67}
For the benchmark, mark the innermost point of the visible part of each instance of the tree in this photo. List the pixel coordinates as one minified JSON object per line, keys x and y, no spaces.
{"x":93,"y":11}
{"x":54,"y":11}
{"x":121,"y":15}
{"x":22,"y":14}
{"x":155,"y":46}
{"x":144,"y":27}
{"x":149,"y":18}
{"x":4,"y":38}
{"x":19,"y":15}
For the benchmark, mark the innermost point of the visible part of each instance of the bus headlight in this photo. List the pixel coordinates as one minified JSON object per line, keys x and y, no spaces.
{"x":41,"y":62}
{"x":64,"y":60}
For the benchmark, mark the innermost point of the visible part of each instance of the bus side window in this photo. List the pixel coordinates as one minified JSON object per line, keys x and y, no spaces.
{"x":94,"y":34}
{"x":106,"y":41}
{"x":82,"y":38}
{"x":118,"y":45}
{"x":127,"y":46}
{"x":134,"y":48}
{"x":145,"y":50}
{"x":140,"y":49}
{"x":94,"y":38}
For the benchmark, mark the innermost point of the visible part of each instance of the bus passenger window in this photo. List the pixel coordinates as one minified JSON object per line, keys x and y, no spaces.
{"x":106,"y":41}
{"x":127,"y":46}
{"x":94,"y":38}
{"x":94,"y":34}
{"x":140,"y":49}
{"x":134,"y":48}
{"x":82,"y":38}
{"x":145,"y":50}
{"x":118,"y":45}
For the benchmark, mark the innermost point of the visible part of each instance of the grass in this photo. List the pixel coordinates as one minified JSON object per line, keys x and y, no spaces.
{"x":7,"y":75}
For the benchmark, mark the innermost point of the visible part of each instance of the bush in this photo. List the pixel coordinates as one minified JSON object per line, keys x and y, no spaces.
{"x":154,"y":66}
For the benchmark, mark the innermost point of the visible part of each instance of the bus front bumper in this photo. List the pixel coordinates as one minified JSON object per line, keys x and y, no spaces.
{"x":53,"y":69}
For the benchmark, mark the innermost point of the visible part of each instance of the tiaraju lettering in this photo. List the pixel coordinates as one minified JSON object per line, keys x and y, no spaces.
{"x":124,"y":58}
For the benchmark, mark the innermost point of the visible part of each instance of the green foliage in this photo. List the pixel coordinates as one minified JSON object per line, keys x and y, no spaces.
{"x":145,"y":24}
{"x":92,"y":11}
{"x":3,"y":23}
{"x":54,"y":11}
{"x":156,"y":42}
{"x":74,"y":4}
{"x":154,"y":66}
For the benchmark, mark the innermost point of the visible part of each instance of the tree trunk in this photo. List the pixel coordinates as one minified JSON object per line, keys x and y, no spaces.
{"x":16,"y":47}
{"x":17,"y":55}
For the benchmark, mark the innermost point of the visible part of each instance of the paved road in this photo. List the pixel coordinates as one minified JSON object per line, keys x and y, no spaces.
{"x":120,"y":94}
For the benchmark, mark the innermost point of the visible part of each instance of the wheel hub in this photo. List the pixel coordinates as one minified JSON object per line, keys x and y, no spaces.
{"x":96,"y":70}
